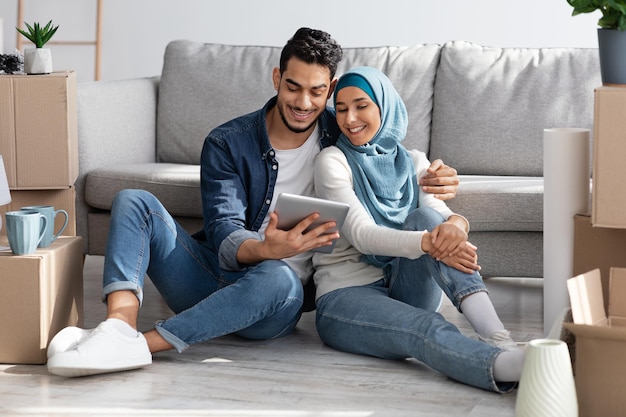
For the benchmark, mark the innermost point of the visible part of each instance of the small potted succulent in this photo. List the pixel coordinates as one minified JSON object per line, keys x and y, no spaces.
{"x":38,"y":60}
{"x":611,"y":36}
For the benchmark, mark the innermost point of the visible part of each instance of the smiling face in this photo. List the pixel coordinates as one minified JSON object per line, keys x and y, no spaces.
{"x":358,"y":116}
{"x":303,"y":90}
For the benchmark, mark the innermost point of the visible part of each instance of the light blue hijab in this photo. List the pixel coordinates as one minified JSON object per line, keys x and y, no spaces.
{"x":383,"y":171}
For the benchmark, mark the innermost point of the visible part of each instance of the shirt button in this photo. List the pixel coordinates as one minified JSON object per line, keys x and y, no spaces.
{"x":268,"y":202}
{"x":274,"y":167}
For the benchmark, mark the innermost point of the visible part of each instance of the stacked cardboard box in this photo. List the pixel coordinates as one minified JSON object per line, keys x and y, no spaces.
{"x":599,"y":246}
{"x":38,"y":130}
{"x":609,"y":158}
{"x":39,"y":293}
{"x":39,"y":141}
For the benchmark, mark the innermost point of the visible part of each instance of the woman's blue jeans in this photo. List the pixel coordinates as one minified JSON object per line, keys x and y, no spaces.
{"x":396,"y":317}
{"x":263,"y":301}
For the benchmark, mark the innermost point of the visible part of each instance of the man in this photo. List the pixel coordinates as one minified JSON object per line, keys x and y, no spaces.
{"x":241,"y":274}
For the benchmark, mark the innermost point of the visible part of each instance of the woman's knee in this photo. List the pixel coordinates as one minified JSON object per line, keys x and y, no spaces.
{"x":423,"y":218}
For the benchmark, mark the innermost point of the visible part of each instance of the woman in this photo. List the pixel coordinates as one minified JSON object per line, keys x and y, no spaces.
{"x":380,"y":289}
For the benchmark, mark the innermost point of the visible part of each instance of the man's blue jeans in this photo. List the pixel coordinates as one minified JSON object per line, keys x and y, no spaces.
{"x":396,"y":317}
{"x":263,"y":301}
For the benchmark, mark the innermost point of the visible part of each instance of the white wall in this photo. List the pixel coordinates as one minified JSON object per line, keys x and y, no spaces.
{"x":135,"y":32}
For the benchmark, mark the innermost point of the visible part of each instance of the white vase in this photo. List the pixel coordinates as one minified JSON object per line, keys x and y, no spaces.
{"x":37,"y":61}
{"x":546,"y":387}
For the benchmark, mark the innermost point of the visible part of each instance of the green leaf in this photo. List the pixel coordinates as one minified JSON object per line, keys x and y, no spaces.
{"x":613,"y":11}
{"x":38,"y":35}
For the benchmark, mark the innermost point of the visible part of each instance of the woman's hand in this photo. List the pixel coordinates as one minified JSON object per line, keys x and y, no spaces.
{"x":465,"y":260}
{"x":446,"y":240}
{"x":448,"y":243}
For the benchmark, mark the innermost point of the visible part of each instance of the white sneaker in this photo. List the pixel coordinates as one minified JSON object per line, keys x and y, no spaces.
{"x":501,"y":339}
{"x":104,"y":350}
{"x":67,"y":339}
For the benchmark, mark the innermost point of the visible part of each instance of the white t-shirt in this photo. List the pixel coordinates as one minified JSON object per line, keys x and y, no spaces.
{"x":295,"y":176}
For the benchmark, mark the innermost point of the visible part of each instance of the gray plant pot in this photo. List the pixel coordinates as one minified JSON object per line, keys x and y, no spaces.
{"x":612,"y":50}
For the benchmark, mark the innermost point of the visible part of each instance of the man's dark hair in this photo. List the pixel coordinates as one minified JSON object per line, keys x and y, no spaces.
{"x":313,"y":47}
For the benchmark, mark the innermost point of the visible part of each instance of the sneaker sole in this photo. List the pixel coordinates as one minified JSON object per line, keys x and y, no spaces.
{"x":72,"y":371}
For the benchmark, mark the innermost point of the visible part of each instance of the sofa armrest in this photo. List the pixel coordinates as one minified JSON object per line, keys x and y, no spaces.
{"x":116,"y":125}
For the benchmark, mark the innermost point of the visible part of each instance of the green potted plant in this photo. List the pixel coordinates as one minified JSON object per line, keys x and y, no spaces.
{"x":611,"y":36}
{"x":38,"y":60}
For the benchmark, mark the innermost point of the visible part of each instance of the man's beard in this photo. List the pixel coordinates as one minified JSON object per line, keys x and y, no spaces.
{"x":293,"y":129}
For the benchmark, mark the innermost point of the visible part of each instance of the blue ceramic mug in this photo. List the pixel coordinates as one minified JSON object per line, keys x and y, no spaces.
{"x":25,"y":229}
{"x":50,"y":213}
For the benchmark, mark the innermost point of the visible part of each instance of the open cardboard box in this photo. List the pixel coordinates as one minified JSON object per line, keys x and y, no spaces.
{"x":600,"y":366}
{"x":598,"y":247}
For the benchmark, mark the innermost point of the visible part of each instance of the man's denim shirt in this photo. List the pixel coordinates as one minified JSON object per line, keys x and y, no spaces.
{"x":238,"y":176}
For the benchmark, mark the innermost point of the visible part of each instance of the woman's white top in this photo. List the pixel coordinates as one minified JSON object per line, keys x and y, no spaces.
{"x":360,"y":234}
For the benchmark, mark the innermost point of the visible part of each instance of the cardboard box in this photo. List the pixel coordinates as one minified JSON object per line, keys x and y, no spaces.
{"x":598,"y":247}
{"x":600,"y":368}
{"x":60,"y":199}
{"x":38,"y":130}
{"x":41,"y":294}
{"x":609,"y":151}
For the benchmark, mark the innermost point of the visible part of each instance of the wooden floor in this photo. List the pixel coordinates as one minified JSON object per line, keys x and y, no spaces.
{"x":296,"y":376}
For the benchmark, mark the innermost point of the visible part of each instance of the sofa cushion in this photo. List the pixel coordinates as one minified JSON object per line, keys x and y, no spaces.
{"x":204,"y":85}
{"x":176,"y":185}
{"x":515,"y":203}
{"x":492,"y":104}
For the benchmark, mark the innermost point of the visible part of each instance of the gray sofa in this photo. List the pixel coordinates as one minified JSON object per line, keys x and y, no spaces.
{"x":481,"y":109}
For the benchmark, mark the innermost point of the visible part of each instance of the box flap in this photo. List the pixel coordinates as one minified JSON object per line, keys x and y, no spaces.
{"x":585,"y":293}
{"x":617,"y":294}
{"x":597,"y":332}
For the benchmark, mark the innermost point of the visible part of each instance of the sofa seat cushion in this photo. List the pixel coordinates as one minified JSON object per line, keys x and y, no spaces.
{"x":514,"y":203}
{"x":176,"y":185}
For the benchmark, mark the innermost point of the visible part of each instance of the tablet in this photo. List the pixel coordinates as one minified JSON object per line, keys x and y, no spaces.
{"x":292,"y":208}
